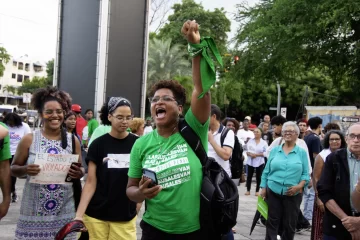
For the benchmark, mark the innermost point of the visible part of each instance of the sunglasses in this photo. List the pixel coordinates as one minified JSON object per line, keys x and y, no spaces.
{"x":73,"y":226}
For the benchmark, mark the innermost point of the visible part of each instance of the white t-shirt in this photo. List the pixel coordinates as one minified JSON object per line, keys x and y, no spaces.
{"x":229,"y":141}
{"x":301,"y":143}
{"x":85,"y":133}
{"x":16,"y":134}
{"x":148,"y":129}
{"x":244,"y":135}
{"x":324,"y":153}
{"x":252,"y":147}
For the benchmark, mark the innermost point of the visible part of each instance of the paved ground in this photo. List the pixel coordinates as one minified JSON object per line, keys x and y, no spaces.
{"x":247,"y":207}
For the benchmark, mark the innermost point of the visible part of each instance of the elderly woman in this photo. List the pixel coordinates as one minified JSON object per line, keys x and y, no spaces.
{"x":137,"y":126}
{"x":282,"y":182}
{"x":333,"y":141}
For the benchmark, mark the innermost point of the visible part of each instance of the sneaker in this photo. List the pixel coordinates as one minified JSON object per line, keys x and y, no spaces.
{"x":14,"y":197}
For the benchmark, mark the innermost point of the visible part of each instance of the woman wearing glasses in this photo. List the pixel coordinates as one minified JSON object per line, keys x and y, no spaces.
{"x":333,"y":141}
{"x":104,"y":207}
{"x":282,"y":182}
{"x":46,"y":208}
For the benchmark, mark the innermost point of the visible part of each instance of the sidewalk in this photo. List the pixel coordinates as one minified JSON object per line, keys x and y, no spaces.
{"x":247,"y":207}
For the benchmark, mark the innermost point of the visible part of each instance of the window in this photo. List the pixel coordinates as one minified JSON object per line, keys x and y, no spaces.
{"x":27,"y":67}
{"x":26,"y":78}
{"x":19,"y":78}
{"x":21,"y":66}
{"x":13,"y":76}
{"x":38,"y":68}
{"x":15,"y":63}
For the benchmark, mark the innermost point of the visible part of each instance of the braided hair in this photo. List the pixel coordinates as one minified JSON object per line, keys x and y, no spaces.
{"x":50,"y":93}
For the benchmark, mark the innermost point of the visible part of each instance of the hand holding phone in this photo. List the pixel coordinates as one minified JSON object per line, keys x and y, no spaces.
{"x":149,"y":174}
{"x":74,"y":172}
{"x":148,"y":184}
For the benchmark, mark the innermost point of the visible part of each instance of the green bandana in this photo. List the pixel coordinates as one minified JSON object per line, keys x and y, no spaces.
{"x":207,"y":67}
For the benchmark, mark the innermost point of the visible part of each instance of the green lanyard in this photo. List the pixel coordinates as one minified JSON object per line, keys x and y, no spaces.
{"x":207,"y":67}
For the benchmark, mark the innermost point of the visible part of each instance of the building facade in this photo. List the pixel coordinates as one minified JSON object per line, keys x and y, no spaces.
{"x":18,"y":70}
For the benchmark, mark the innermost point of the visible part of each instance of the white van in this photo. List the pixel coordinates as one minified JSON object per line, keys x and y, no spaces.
{"x":8,"y":109}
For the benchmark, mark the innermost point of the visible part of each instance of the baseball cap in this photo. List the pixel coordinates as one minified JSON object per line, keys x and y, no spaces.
{"x":248,"y":118}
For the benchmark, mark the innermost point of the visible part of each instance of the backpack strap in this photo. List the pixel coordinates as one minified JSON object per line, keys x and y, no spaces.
{"x":193,"y":140}
{"x":223,"y":136}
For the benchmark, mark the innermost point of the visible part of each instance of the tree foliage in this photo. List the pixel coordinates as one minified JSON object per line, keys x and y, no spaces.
{"x":212,"y":23}
{"x":30,"y":86}
{"x":4,"y":59}
{"x":166,"y":61}
{"x":285,"y":40}
{"x":300,"y":44}
{"x":50,"y":71}
{"x":10,"y":89}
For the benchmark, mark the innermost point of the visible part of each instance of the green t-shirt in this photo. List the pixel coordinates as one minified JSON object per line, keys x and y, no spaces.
{"x":99,"y":131}
{"x":92,"y":125}
{"x":5,"y":151}
{"x":176,"y":208}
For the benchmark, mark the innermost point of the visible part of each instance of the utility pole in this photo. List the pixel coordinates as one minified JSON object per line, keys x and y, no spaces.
{"x":305,"y":100}
{"x":278,"y":99}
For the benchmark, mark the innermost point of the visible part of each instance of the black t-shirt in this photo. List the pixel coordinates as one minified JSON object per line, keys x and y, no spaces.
{"x":110,"y":202}
{"x":267,"y":137}
{"x":313,"y":143}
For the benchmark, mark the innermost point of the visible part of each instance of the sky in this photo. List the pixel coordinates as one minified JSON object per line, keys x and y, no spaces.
{"x":30,"y":27}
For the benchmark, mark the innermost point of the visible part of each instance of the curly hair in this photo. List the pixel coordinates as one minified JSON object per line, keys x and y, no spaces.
{"x":174,"y":86}
{"x":43,"y":95}
{"x":234,"y":121}
{"x":13,"y":118}
{"x":327,"y":138}
{"x":331,"y":126}
{"x":135,"y":124}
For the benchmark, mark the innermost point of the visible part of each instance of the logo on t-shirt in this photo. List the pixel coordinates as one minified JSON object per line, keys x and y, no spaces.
{"x":117,"y":160}
{"x":14,"y":136}
{"x":172,"y":168}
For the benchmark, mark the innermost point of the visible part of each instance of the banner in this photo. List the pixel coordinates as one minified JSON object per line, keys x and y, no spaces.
{"x":54,"y":168}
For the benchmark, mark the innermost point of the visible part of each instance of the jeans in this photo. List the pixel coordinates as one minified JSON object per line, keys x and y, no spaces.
{"x":229,"y":236}
{"x":309,"y":196}
{"x":13,"y":179}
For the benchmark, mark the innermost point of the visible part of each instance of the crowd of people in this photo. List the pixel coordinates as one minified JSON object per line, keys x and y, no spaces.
{"x":294,"y":162}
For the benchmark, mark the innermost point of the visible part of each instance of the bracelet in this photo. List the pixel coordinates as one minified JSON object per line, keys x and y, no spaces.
{"x":195,"y":51}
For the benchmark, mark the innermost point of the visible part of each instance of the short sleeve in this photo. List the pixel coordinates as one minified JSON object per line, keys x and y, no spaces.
{"x":229,"y":140}
{"x":26,"y":128}
{"x":93,"y":153}
{"x":200,"y":129}
{"x":5,"y":153}
{"x":135,"y":169}
{"x":315,"y":145}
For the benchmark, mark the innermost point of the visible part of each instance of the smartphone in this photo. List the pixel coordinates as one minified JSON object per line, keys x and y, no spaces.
{"x":149,"y":174}
{"x":68,"y":178}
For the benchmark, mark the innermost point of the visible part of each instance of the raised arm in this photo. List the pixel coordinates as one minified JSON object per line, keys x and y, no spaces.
{"x":200,"y":106}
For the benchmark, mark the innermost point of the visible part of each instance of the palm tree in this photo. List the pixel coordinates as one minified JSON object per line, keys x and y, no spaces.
{"x":166,"y":61}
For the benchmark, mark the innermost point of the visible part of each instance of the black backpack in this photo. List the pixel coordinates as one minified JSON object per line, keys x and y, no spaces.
{"x":219,"y":198}
{"x":236,"y":162}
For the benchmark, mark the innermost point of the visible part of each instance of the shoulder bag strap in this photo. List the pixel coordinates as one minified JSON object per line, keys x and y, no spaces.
{"x":193,"y":140}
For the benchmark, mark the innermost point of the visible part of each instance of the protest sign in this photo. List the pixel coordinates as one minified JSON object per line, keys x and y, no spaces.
{"x":54,"y":168}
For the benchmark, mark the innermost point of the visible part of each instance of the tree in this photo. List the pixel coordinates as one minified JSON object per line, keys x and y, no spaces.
{"x":30,"y":86}
{"x":4,"y":59}
{"x":166,"y":61}
{"x":10,"y":89}
{"x":287,"y":40}
{"x":50,"y":71}
{"x":159,"y":10}
{"x":212,"y":23}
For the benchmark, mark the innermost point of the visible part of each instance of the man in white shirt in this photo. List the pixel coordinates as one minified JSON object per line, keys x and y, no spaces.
{"x":245,"y":134}
{"x":148,"y":128}
{"x":220,"y":152}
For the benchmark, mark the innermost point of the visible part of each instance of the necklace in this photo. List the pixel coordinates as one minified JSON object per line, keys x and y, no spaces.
{"x":160,"y":144}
